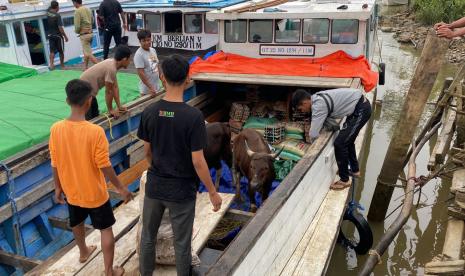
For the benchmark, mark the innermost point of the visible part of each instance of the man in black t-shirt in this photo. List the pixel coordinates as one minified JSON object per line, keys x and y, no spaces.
{"x":175,"y":136}
{"x":110,"y":11}
{"x":56,"y":34}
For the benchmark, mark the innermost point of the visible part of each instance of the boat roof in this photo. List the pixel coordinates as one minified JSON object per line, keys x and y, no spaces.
{"x":38,"y":8}
{"x":299,"y":9}
{"x":177,"y":4}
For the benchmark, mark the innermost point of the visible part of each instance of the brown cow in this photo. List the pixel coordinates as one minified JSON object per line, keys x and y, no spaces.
{"x":255,"y":163}
{"x":218,"y":148}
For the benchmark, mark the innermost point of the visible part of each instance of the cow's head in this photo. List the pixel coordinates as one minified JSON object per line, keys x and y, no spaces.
{"x":261,"y":167}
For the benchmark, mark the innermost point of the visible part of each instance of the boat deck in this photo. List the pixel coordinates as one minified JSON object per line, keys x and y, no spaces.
{"x":125,"y":231}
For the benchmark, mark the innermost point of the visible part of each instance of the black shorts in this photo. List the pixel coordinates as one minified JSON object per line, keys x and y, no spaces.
{"x":56,"y":44}
{"x":93,"y":110}
{"x":101,"y":217}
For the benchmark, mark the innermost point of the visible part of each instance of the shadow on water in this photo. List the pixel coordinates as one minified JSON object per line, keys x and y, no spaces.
{"x":423,"y":235}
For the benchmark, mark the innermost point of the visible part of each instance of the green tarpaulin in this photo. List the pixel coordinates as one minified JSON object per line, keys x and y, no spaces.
{"x":10,"y":71}
{"x":31,"y":105}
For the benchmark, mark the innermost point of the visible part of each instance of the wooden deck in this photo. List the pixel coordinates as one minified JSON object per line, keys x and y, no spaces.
{"x":125,"y":231}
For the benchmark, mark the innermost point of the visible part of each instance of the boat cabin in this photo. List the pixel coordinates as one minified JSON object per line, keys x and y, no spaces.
{"x":175,"y":24}
{"x":23,"y":32}
{"x":314,"y":28}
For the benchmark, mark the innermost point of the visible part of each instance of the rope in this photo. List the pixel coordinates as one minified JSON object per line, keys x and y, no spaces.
{"x":373,"y":252}
{"x":389,"y":184}
{"x":19,"y":242}
{"x":419,"y":181}
{"x":110,"y":125}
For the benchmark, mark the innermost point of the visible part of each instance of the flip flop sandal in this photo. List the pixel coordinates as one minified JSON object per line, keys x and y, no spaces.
{"x":338,"y":185}
{"x":92,"y":249}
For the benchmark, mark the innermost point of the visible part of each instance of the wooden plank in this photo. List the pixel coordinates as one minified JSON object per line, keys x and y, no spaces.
{"x":134,"y":147}
{"x":126,"y":216}
{"x":204,"y":223}
{"x":23,"y":263}
{"x":445,"y":137}
{"x":41,"y":157}
{"x":294,"y":260}
{"x":132,"y":174}
{"x":64,"y":224}
{"x":136,"y":156}
{"x":274,"y":80}
{"x":123,"y":142}
{"x":207,"y":220}
{"x":458,"y":180}
{"x":318,"y":254}
{"x":27,"y":199}
{"x":239,"y":215}
{"x":445,"y":267}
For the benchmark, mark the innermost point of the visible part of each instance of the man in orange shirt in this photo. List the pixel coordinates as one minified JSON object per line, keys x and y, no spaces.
{"x":80,"y":162}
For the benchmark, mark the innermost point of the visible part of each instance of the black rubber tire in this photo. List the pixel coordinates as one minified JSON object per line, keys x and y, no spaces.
{"x":382,"y":73}
{"x":364,"y":231}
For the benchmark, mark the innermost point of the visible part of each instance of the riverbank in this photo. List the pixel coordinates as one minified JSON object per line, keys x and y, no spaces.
{"x":407,"y":30}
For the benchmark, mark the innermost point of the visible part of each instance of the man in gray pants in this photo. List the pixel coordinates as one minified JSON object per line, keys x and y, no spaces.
{"x":174,"y":137}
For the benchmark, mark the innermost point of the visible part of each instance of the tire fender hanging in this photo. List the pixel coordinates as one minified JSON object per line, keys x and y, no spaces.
{"x":366,"y":236}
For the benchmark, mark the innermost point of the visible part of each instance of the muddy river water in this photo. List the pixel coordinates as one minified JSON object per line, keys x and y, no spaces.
{"x":423,"y":235}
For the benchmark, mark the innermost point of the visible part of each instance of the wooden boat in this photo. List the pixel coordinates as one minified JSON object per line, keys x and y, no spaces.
{"x":295,"y":230}
{"x":23,"y":33}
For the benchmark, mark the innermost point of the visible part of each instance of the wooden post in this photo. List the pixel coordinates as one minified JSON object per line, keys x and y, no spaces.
{"x":460,"y":118}
{"x":431,"y":60}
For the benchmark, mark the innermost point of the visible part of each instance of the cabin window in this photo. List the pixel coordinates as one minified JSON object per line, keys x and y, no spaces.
{"x":153,"y":22}
{"x":4,"y":42}
{"x":69,"y":21}
{"x":287,"y":30}
{"x":260,"y":31}
{"x":235,"y":31}
{"x":193,"y":23}
{"x":344,"y":31}
{"x":211,"y":27}
{"x":173,"y":22}
{"x":132,"y":21}
{"x":18,"y":33}
{"x":316,"y":31}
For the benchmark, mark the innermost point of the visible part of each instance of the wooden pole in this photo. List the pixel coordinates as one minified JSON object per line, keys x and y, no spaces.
{"x":431,"y":60}
{"x":460,"y":142}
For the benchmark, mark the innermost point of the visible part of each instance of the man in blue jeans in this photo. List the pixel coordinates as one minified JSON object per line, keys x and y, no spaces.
{"x":337,"y":104}
{"x":174,"y":136}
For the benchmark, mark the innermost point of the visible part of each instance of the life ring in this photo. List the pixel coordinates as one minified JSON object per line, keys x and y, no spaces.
{"x":366,"y":236}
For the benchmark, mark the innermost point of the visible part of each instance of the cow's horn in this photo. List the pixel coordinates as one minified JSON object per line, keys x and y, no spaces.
{"x":275,"y":155}
{"x":249,"y":151}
